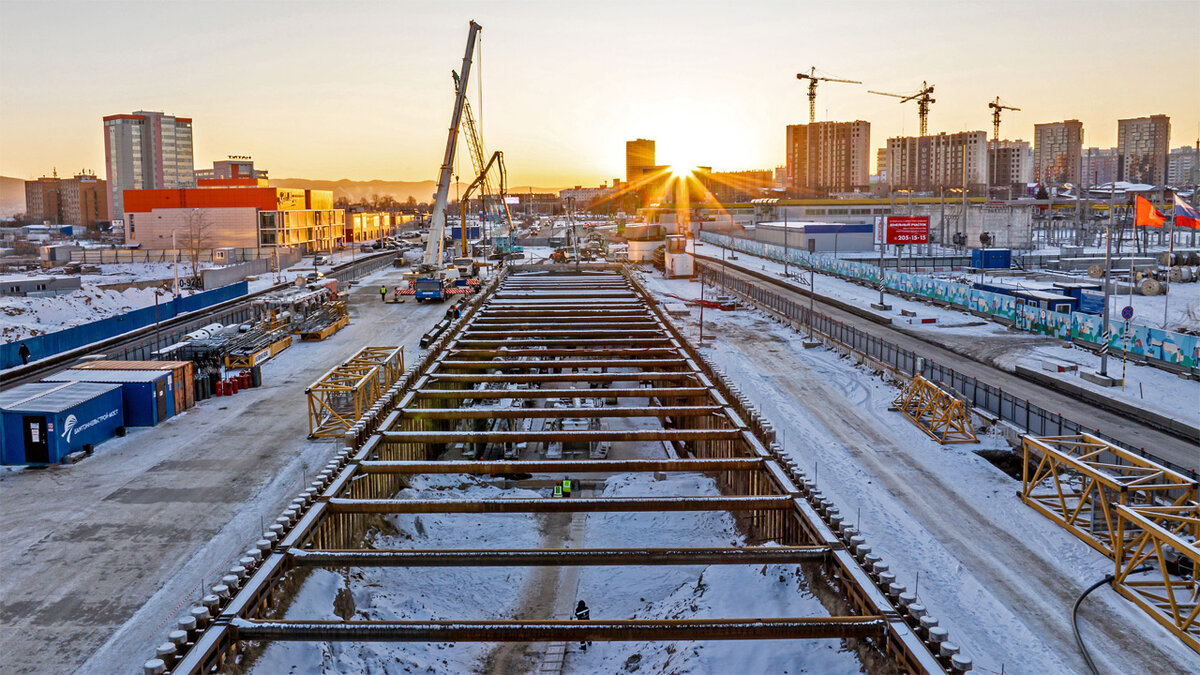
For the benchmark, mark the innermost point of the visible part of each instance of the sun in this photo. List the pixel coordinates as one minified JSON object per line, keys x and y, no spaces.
{"x":682,"y":170}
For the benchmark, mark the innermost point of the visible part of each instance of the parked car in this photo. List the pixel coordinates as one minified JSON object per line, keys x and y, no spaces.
{"x":367,"y":248}
{"x":321,"y":260}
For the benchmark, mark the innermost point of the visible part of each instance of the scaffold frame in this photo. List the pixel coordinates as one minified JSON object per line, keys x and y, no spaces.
{"x":1079,"y":481}
{"x":1165,"y":538}
{"x":941,"y":415}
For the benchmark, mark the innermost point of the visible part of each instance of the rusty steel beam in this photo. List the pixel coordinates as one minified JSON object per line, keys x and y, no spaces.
{"x":586,"y":435}
{"x":625,"y":630}
{"x":574,"y":332}
{"x":558,"y":557}
{"x":600,"y":352}
{"x":619,"y":392}
{"x":649,"y":376}
{"x":571,"y":505}
{"x":564,"y":363}
{"x":526,"y":341}
{"x":547,"y":413}
{"x":560,"y":466}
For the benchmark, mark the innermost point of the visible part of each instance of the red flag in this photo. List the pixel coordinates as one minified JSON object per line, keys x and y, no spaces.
{"x":1145,"y":215}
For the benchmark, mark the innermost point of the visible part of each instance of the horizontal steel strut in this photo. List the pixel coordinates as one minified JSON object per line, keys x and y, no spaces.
{"x":559,"y":631}
{"x":565,"y":435}
{"x":548,"y":505}
{"x":750,"y":555}
{"x":563,"y":466}
{"x":546,"y":413}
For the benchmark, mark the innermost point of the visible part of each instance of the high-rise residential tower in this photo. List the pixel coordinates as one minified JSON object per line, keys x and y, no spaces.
{"x":1143,"y":148}
{"x":926,"y":163}
{"x":639,"y":155}
{"x":146,"y":151}
{"x":828,"y":156}
{"x":1057,"y":149}
{"x":81,"y":200}
{"x":1009,"y":163}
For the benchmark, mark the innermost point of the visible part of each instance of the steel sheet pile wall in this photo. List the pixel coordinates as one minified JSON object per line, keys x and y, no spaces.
{"x":1155,"y":345}
{"x":595,"y":343}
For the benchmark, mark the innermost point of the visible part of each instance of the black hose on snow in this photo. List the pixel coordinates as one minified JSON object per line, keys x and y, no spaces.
{"x":1075,"y":614}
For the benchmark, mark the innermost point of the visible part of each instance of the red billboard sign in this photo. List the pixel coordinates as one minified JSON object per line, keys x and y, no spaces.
{"x":907,"y":230}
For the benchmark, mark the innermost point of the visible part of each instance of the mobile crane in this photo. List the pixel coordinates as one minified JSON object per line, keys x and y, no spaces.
{"x":431,"y":284}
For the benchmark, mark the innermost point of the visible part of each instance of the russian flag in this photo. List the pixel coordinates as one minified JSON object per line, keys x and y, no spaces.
{"x":1185,"y":214}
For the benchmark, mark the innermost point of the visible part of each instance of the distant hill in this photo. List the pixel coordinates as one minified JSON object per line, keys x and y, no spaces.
{"x":12,"y":196}
{"x":354,"y":190}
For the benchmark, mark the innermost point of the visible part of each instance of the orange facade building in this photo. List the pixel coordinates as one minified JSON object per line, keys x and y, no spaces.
{"x":242,"y":213}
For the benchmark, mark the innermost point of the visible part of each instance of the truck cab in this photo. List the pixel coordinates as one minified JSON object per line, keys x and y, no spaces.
{"x":430,"y":288}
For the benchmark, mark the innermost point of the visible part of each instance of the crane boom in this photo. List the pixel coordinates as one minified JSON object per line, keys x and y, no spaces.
{"x":924,"y":99}
{"x":813,"y":79}
{"x":437,"y":223}
{"x":482,"y":179}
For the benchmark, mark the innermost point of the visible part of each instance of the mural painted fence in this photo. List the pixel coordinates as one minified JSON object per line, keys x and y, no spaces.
{"x":1152,"y":344}
{"x":67,"y":339}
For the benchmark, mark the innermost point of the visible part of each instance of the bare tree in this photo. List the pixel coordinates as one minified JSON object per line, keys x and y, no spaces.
{"x":194,"y":239}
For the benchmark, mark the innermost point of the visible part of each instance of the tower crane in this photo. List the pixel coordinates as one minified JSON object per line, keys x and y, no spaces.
{"x":813,"y":79}
{"x":996,"y":107}
{"x":923,"y":98}
{"x":437,"y":222}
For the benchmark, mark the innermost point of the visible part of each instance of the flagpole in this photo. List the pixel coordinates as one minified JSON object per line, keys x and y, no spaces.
{"x":1170,"y":262}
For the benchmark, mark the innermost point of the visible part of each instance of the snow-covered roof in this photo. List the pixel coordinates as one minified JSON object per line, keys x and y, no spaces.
{"x":52,"y":397}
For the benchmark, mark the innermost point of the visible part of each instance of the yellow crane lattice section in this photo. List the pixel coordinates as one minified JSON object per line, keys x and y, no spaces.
{"x":1081,"y":481}
{"x":344,"y":394}
{"x":1165,"y":538}
{"x":938,"y":413}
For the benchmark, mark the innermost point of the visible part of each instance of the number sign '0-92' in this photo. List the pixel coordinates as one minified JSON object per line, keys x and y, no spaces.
{"x":907,"y":230}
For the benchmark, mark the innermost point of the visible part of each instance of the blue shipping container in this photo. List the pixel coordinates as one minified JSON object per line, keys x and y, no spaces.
{"x":43,"y":422}
{"x":473,"y":232}
{"x":991,"y":258}
{"x":148,"y":396}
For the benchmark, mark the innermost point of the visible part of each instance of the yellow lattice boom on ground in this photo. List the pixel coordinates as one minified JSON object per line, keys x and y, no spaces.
{"x":1079,"y":481}
{"x":1165,"y":538}
{"x":344,"y":394}
{"x":937,"y":412}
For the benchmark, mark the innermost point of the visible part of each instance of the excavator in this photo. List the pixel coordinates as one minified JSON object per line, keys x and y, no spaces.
{"x":433,"y":276}
{"x":504,"y":243}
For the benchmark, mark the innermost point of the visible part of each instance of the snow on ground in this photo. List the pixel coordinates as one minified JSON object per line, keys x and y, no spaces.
{"x":1151,"y":388}
{"x":1155,"y":388}
{"x":998,"y":575}
{"x":1183,"y":305}
{"x":693,"y":592}
{"x":26,"y":317}
{"x":612,"y":592}
{"x":393,"y":593}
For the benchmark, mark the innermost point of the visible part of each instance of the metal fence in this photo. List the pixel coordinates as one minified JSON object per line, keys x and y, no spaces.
{"x":1026,"y":416}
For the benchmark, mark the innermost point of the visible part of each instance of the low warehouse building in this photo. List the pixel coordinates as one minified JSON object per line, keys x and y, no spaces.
{"x":43,"y":422}
{"x":148,"y":396}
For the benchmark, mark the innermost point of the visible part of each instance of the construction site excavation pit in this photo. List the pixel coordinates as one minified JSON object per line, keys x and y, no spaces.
{"x":563,"y":443}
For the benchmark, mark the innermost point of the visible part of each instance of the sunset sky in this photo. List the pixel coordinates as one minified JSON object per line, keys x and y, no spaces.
{"x":362,"y":90}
